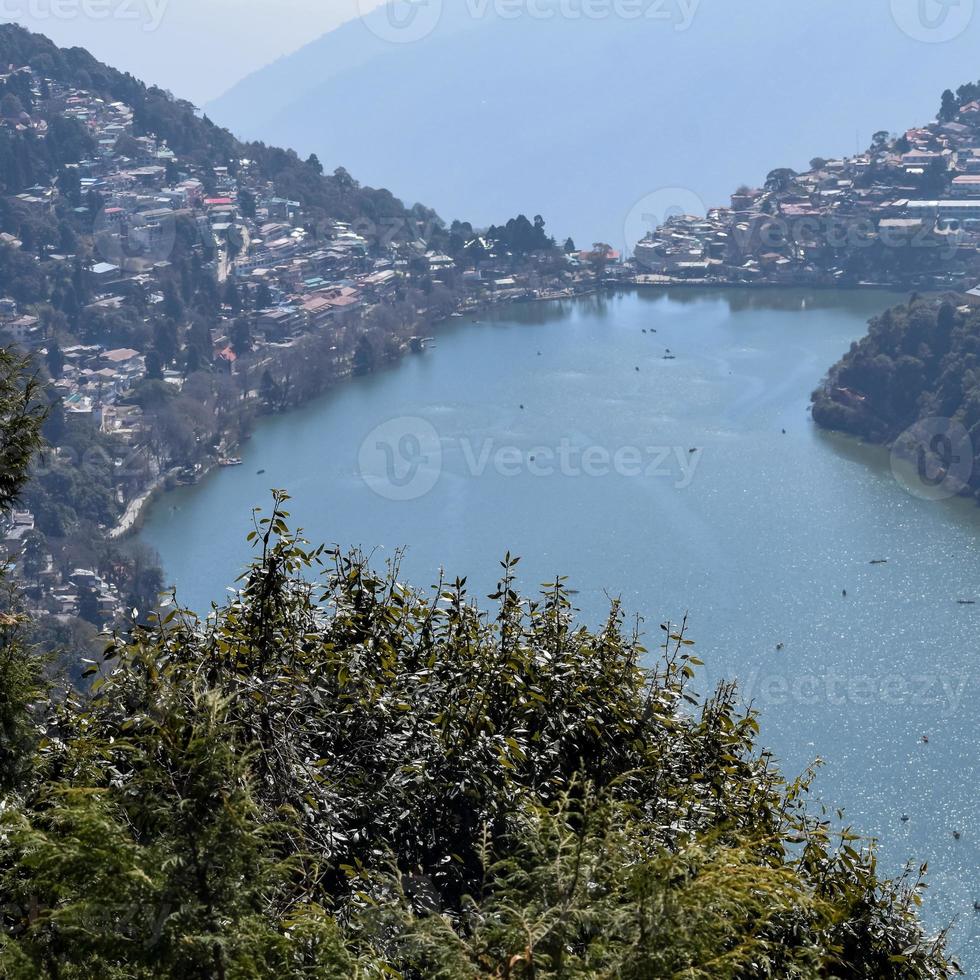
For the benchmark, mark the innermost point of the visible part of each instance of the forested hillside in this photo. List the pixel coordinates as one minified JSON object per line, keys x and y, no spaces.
{"x":172,"y":283}
{"x":918,"y":362}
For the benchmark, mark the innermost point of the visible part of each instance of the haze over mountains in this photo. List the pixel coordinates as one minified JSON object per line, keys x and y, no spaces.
{"x":195,"y":48}
{"x":579,"y":119}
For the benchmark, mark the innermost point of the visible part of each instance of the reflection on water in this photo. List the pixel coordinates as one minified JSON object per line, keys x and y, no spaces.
{"x":523,"y":432}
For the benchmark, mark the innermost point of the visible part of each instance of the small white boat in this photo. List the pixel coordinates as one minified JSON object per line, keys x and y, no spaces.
{"x":230,"y":461}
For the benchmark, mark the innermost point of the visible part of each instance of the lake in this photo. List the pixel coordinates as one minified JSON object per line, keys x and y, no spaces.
{"x":562,"y":433}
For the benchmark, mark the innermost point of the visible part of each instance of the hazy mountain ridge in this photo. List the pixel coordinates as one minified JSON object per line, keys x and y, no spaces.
{"x":465,"y":136}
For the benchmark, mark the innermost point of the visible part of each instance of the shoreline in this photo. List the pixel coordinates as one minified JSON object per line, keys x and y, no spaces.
{"x":133,"y":514}
{"x":136,"y":509}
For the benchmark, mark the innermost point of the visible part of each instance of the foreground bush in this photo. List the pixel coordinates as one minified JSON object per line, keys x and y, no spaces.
{"x":340,"y":777}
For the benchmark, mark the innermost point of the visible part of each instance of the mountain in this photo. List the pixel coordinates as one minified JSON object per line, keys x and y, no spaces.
{"x":336,"y":777}
{"x":172,"y":283}
{"x":581,"y":119}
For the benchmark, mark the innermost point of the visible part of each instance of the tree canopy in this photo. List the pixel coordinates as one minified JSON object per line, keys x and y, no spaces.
{"x":918,"y":361}
{"x":338,"y":776}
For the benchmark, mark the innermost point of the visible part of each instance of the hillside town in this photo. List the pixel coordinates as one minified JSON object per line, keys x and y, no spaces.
{"x":905,"y":213}
{"x":189,"y":296}
{"x":299,"y":302}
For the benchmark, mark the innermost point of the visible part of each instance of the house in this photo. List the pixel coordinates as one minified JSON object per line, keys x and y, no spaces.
{"x":318,"y":310}
{"x":970,"y":113}
{"x":105,"y":273}
{"x":743,"y":200}
{"x":967,"y":185}
{"x":225,"y":359}
{"x":958,"y":208}
{"x":24,"y":330}
{"x":78,"y":405}
{"x":21,"y":523}
{"x":121,"y":420}
{"x":120,"y":357}
{"x":342,"y":297}
{"x":900,"y":231}
{"x":278,"y":324}
{"x":920,"y":158}
{"x":969,"y":161}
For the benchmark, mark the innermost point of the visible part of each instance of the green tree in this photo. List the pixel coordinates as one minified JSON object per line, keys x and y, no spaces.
{"x":88,"y":606}
{"x":879,"y":141}
{"x":172,"y":306}
{"x":154,"y":365}
{"x":346,"y":778}
{"x":949,"y":108}
{"x":11,"y":106}
{"x":22,"y":413}
{"x":263,"y":297}
{"x":246,"y":203}
{"x":780,"y":180}
{"x":165,"y":340}
{"x":241,"y":336}
{"x":34,"y":556}
{"x":269,"y":391}
{"x":55,"y":359}
{"x":365,"y":355}
{"x":21,"y":681}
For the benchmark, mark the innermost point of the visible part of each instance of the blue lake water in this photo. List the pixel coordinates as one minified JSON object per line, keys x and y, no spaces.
{"x":534,"y":432}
